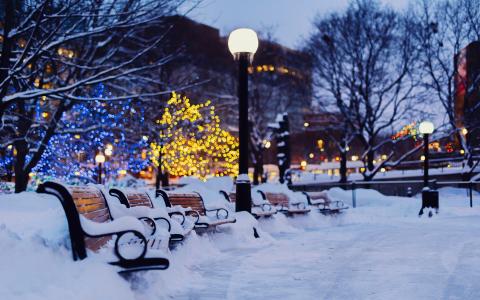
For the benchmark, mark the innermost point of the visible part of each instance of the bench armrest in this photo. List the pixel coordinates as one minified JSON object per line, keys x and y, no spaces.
{"x":169,"y":225}
{"x":177,"y":213}
{"x":218,"y":210}
{"x":194,"y":214}
{"x":150,"y":223}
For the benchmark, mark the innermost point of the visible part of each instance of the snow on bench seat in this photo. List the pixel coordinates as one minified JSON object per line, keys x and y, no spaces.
{"x":263,"y":209}
{"x":324,"y":203}
{"x":140,"y":204}
{"x":283,"y":203}
{"x":91,"y":227}
{"x":195,"y":202}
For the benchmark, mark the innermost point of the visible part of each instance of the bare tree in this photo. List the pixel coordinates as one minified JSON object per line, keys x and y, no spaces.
{"x":363,"y":60}
{"x":54,"y":52}
{"x":278,"y":85}
{"x":445,"y":28}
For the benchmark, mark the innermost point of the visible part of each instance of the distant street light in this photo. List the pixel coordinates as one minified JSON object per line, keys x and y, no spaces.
{"x":99,"y":159}
{"x":429,"y":197}
{"x":109,"y":150}
{"x":243,"y":43}
{"x":426,"y":128}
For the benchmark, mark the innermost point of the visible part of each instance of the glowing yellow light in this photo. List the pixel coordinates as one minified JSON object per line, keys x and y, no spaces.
{"x":320,"y":144}
{"x":354,"y":157}
{"x":383,"y":170}
{"x":9,"y":147}
{"x":464,"y":131}
{"x":203,"y":150}
{"x":303,"y":163}
{"x":422,"y":158}
{"x":347,"y":148}
{"x":384,"y":156}
{"x":109,"y":152}
{"x":45,"y":114}
{"x":267,"y":144}
{"x":122,"y":172}
{"x":362,"y":169}
{"x":31,"y":174}
{"x":462,"y":151}
{"x":311,"y":155}
{"x":77,"y":136}
{"x":99,"y":158}
{"x":77,"y":173}
{"x":306,"y":124}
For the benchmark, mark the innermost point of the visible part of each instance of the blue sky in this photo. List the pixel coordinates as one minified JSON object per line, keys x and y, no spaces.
{"x":289,"y":20}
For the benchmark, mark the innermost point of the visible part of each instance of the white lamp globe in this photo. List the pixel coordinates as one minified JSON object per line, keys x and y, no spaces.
{"x":243,"y":40}
{"x":426,"y":127}
{"x":100,"y":158}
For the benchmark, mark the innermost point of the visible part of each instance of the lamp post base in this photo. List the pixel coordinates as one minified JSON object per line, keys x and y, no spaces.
{"x":429,"y":200}
{"x":244,"y":196}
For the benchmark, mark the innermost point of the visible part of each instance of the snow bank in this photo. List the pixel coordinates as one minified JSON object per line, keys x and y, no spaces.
{"x":35,"y":245}
{"x":36,"y":262}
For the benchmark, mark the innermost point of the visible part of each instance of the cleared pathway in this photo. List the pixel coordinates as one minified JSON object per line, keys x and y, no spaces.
{"x":401,"y":259}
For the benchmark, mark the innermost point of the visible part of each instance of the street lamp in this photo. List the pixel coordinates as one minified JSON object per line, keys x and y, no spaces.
{"x":429,"y":197}
{"x":100,"y":159}
{"x":243,"y":43}
{"x":109,"y":150}
{"x":426,"y":128}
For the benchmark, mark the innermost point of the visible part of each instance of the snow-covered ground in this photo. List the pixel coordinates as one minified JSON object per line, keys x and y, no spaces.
{"x":379,"y":250}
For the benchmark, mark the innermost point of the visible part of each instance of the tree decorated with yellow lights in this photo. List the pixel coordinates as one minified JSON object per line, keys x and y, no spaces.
{"x":193,"y":142}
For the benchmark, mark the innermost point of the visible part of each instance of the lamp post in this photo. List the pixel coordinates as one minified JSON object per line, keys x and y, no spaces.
{"x":426,"y":128}
{"x":99,"y":159}
{"x":243,"y":43}
{"x":158,"y":178}
{"x":108,"y":156}
{"x":429,"y":196}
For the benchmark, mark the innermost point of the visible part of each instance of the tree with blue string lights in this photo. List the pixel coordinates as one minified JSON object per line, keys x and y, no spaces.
{"x":93,"y":126}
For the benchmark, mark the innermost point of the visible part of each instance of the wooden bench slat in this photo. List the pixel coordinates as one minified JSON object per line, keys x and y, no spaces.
{"x":191,"y":200}
{"x":91,"y":204}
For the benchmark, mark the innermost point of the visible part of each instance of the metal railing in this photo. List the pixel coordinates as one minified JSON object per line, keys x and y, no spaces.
{"x":406,"y":188}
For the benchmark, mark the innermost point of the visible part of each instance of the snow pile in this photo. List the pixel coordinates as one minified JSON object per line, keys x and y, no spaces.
{"x":36,"y":262}
{"x":35,"y":245}
{"x":358,"y":249}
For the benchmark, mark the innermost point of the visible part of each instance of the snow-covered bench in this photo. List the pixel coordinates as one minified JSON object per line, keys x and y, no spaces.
{"x":283,"y":203}
{"x":264,"y":209}
{"x":195,"y":202}
{"x":139,"y":204}
{"x":91,"y":227}
{"x":324,"y":203}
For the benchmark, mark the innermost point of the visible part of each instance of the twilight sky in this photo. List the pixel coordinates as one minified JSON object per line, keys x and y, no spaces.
{"x":289,"y":20}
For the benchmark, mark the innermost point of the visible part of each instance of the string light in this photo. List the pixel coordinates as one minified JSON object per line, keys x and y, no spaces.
{"x":195,"y":144}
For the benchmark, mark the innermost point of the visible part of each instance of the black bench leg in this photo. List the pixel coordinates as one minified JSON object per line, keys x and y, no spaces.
{"x":255,"y":233}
